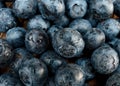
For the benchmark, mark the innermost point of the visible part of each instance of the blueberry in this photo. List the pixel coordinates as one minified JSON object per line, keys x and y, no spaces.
{"x":51,"y":9}
{"x":52,"y":30}
{"x":52,"y":60}
{"x":70,"y":75}
{"x":16,"y":36}
{"x":25,"y":8}
{"x":62,"y":21}
{"x":33,"y":72}
{"x":7,"y":19}
{"x":81,"y":25}
{"x":117,"y":7}
{"x":94,"y":38}
{"x":68,"y":43}
{"x":110,"y":27}
{"x":101,"y":9}
{"x":86,"y":66}
{"x":38,"y":22}
{"x":76,"y":8}
{"x":113,"y":80}
{"x":105,"y":59}
{"x":20,"y":55}
{"x":6,"y":54}
{"x":7,"y":79}
{"x":36,"y":41}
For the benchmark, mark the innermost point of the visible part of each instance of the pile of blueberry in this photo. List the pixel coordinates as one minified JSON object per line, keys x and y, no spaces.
{"x":60,"y":43}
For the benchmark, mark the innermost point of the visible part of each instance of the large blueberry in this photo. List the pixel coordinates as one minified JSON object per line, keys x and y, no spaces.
{"x":110,"y":27}
{"x":38,"y":22}
{"x":52,"y":30}
{"x":51,"y":9}
{"x":16,"y":36}
{"x":62,"y":21}
{"x":20,"y":56}
{"x":105,"y":59}
{"x":81,"y":25}
{"x":52,"y":60}
{"x":33,"y":72}
{"x":70,"y":75}
{"x":94,"y":38}
{"x":6,"y":54}
{"x":36,"y":41}
{"x":8,"y":79}
{"x":113,"y":80}
{"x":101,"y":9}
{"x":7,"y":19}
{"x":86,"y":66}
{"x":25,"y":8}
{"x":68,"y":43}
{"x":76,"y":8}
{"x":117,"y":7}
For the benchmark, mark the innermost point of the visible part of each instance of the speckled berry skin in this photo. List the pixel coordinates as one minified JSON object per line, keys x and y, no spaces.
{"x":86,"y":66}
{"x":33,"y":72}
{"x":110,"y":27}
{"x":7,"y":19}
{"x":70,"y":75}
{"x":76,"y":8}
{"x":36,"y":41}
{"x":68,"y":43}
{"x":94,"y":38}
{"x":51,"y":9}
{"x":25,"y":8}
{"x":105,"y":59}
{"x":20,"y":56}
{"x":6,"y":54}
{"x":52,"y":60}
{"x":52,"y":30}
{"x":81,"y":25}
{"x":62,"y":21}
{"x":8,"y":79}
{"x":101,"y":9}
{"x":38,"y":22}
{"x":113,"y":80}
{"x":117,"y":7}
{"x":16,"y":36}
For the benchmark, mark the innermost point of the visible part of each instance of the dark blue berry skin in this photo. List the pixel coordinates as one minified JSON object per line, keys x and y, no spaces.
{"x":110,"y":27}
{"x":70,"y":75}
{"x":7,"y":19}
{"x":105,"y":59}
{"x":86,"y":66}
{"x":62,"y":21}
{"x":51,"y":9}
{"x":117,"y":7}
{"x":36,"y":41}
{"x":76,"y":8}
{"x":94,"y":38}
{"x":20,"y":55}
{"x":25,"y":8}
{"x":81,"y":25}
{"x":8,"y":79}
{"x":6,"y":54}
{"x":16,"y":37}
{"x":50,"y":82}
{"x":52,"y":60}
{"x":52,"y":30}
{"x":1,"y":5}
{"x":101,"y":9}
{"x":38,"y":22}
{"x":68,"y":43}
{"x":113,"y":80}
{"x":33,"y":72}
